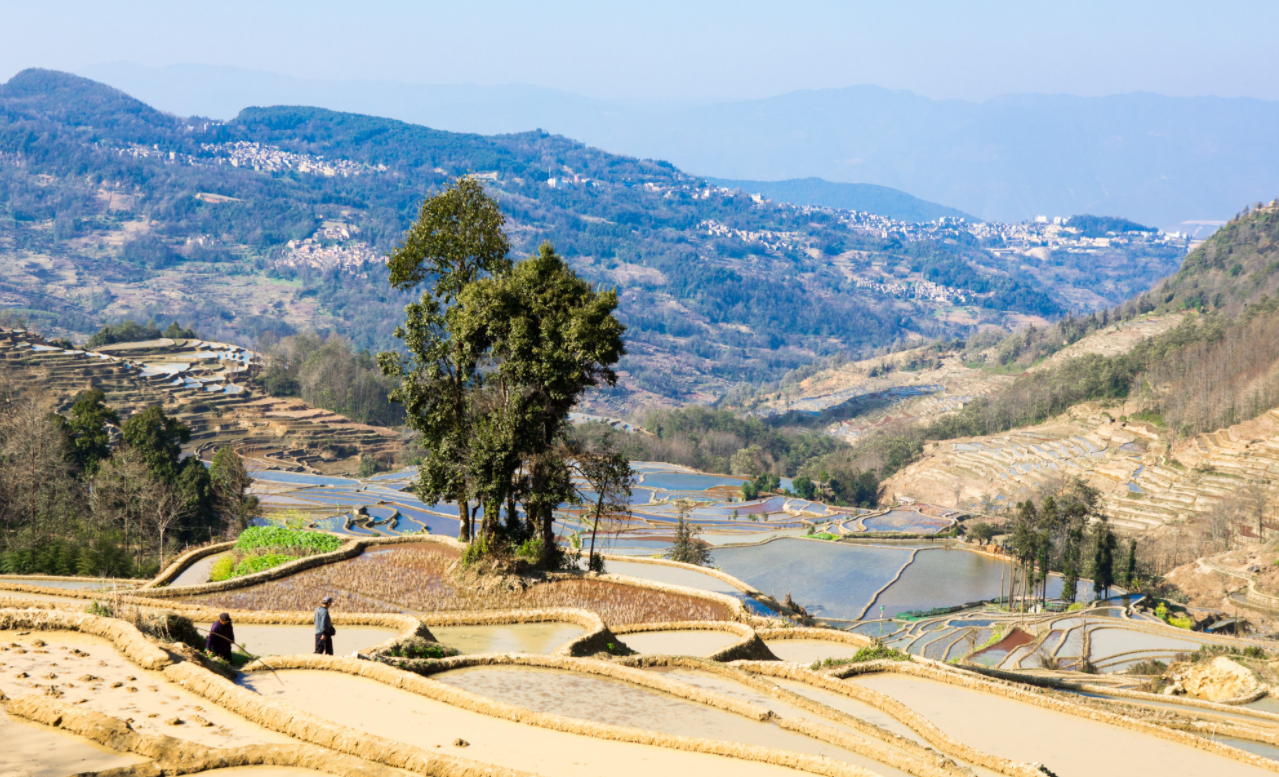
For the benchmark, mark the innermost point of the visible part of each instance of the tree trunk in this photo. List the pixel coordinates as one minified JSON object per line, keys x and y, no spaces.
{"x":464,"y":518}
{"x":547,"y":533}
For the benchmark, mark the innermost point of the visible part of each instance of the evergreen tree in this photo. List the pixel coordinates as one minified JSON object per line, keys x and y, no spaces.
{"x":86,"y":425}
{"x":158,"y":439}
{"x":1130,"y":571}
{"x":1070,"y":561}
{"x":456,"y":240}
{"x":1103,"y":565}
{"x":550,"y":337}
{"x":686,"y":548}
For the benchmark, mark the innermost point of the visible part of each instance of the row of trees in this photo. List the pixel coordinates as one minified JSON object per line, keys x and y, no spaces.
{"x":71,"y":502}
{"x":1067,"y":533}
{"x":498,"y":352}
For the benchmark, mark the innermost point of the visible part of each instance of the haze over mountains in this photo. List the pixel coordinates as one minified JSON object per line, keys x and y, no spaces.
{"x":1158,"y":160}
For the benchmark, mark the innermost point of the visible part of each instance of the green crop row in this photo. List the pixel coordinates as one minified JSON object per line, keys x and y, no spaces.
{"x":258,"y":537}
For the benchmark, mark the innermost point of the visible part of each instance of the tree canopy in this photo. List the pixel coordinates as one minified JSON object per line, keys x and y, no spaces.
{"x":497,"y":354}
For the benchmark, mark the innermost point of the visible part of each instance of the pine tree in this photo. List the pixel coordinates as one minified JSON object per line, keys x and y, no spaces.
{"x":1103,"y":563}
{"x":686,"y":548}
{"x":1130,"y":574}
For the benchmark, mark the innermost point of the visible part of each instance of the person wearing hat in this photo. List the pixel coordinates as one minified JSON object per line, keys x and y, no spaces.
{"x":324,"y":630}
{"x":221,"y":637}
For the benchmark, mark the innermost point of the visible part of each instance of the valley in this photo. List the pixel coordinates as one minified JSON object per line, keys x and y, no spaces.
{"x":504,"y":454}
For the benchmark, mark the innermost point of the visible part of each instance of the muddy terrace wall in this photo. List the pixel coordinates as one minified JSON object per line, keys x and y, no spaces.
{"x":185,"y":560}
{"x":284,"y":719}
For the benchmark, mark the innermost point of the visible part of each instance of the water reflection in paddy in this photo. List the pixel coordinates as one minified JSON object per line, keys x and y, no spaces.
{"x":538,"y":638}
{"x":829,"y":579}
{"x":277,"y":640}
{"x":839,"y":580}
{"x":806,"y":651}
{"x":679,"y":643}
{"x":942,"y":577}
{"x":608,"y":701}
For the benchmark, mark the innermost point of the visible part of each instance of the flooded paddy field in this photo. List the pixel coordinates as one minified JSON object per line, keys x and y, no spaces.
{"x":806,"y":651}
{"x":345,"y":506}
{"x":1069,"y":745}
{"x":275,"y":640}
{"x":402,"y":716}
{"x":615,"y":702}
{"x":539,"y":638}
{"x":679,"y":643}
{"x":88,"y":583}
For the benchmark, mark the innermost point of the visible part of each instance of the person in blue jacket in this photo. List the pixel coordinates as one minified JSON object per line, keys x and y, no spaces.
{"x":221,"y":637}
{"x":324,"y":630}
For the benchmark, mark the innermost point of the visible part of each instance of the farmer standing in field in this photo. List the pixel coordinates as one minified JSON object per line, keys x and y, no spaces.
{"x":324,"y":630}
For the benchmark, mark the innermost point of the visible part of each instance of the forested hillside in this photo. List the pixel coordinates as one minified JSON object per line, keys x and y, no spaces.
{"x":1238,"y":265}
{"x":275,"y":223}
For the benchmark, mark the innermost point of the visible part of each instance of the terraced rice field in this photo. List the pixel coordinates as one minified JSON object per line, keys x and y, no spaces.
{"x":204,"y":381}
{"x":416,"y":579}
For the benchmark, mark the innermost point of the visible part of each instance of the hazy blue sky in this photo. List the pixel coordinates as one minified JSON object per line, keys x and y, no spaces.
{"x":685,"y":49}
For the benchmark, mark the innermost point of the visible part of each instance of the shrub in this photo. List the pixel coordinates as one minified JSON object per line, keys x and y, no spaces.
{"x":878,"y":651}
{"x":1148,"y":667}
{"x":981,"y":532}
{"x":416,"y":647}
{"x":530,"y":550}
{"x":596,"y":563}
{"x":222,"y":569}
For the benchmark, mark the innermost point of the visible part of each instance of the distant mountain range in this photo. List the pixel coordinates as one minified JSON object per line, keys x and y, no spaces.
{"x":1158,"y":160}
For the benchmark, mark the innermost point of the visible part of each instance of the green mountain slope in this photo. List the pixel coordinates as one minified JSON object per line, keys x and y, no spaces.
{"x":1238,"y":265}
{"x":867,"y":197}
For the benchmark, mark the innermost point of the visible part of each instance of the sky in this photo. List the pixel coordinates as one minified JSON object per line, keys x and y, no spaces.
{"x":659,"y":50}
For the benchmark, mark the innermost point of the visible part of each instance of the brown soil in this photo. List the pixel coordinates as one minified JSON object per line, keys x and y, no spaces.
{"x":417,"y":579}
{"x":89,"y":671}
{"x":34,"y":750}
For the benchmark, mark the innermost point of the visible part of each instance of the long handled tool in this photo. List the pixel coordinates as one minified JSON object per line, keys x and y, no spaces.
{"x":245,"y":651}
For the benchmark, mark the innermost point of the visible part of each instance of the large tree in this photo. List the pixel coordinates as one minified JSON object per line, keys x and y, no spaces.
{"x":456,"y":240}
{"x":549,"y":336}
